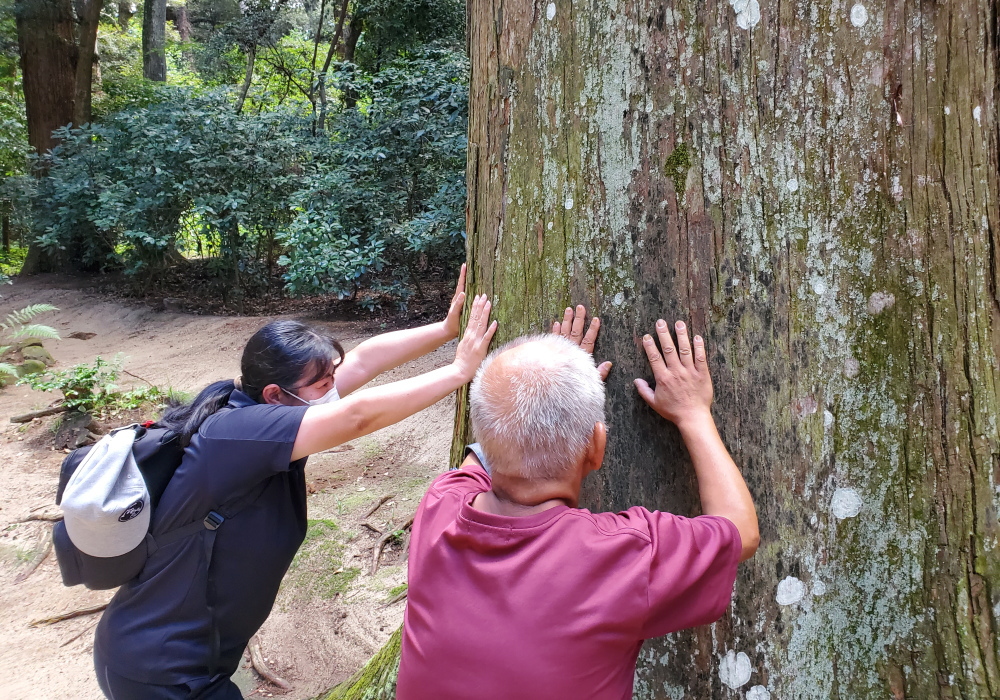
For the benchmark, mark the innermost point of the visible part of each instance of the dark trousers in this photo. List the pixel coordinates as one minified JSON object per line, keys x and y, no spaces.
{"x":117,"y":687}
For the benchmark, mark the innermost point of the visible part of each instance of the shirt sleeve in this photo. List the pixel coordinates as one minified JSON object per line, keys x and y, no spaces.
{"x":246,"y":445}
{"x":692,"y":570}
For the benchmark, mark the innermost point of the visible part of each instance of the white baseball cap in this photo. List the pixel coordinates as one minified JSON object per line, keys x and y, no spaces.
{"x":106,"y":504}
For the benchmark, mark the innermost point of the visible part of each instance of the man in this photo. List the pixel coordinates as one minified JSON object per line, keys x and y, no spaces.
{"x":514,"y":591}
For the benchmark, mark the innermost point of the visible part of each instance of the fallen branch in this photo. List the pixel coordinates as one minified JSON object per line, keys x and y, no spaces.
{"x":41,"y":517}
{"x":378,"y":505}
{"x":37,"y":561}
{"x":67,"y":616}
{"x":136,"y":376}
{"x":28,"y":417}
{"x":383,"y":540}
{"x":372,"y":528}
{"x":260,"y":666}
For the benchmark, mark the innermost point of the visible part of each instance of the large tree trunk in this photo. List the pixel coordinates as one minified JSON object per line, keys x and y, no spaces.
{"x":47,"y":41}
{"x":154,"y":37}
{"x":815,"y":188}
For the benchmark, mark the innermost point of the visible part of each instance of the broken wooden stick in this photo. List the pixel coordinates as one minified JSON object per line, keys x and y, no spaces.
{"x":39,"y":558}
{"x":384,"y":539}
{"x":395,"y":599}
{"x":41,"y":517}
{"x":28,"y":417}
{"x":260,"y":666}
{"x":378,"y":505}
{"x":67,"y":616}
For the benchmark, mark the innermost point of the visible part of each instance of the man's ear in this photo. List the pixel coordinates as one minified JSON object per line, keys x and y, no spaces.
{"x":272,"y":394}
{"x":594,"y":458}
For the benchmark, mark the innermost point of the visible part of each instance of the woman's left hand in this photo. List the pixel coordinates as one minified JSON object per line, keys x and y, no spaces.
{"x":452,"y":322}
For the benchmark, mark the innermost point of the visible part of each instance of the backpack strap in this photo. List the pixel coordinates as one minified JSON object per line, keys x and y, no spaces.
{"x":209,"y":525}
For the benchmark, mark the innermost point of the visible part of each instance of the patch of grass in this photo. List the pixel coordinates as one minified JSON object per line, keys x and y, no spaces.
{"x":395,"y":591}
{"x":317,"y":569}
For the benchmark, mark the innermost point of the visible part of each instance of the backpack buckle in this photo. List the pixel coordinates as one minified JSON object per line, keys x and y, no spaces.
{"x":213,"y":520}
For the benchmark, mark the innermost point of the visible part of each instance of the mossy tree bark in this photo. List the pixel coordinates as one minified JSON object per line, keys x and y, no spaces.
{"x":814,"y":188}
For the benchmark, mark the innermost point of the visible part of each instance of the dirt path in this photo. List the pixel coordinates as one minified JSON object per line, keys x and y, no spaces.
{"x":330,"y":615}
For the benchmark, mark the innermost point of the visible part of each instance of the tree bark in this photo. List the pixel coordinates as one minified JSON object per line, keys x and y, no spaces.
{"x":154,"y":37}
{"x":90,"y":18}
{"x":815,"y":190}
{"x":126,"y":10}
{"x":247,"y":78}
{"x":47,"y":41}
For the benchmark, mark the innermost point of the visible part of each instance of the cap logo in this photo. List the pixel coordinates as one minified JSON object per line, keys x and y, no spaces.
{"x":131,"y":512}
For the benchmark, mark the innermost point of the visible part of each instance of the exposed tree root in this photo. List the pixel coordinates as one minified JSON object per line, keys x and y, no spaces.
{"x":384,"y":539}
{"x":261,"y":667}
{"x":28,"y":417}
{"x":378,"y":505}
{"x":68,"y":616}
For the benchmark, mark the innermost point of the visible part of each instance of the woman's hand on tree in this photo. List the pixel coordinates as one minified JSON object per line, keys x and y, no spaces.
{"x":475,"y":343}
{"x":452,"y":322}
{"x":683,"y":385}
{"x":571,"y":327}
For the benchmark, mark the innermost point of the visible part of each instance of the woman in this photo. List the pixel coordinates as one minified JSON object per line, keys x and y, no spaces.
{"x":179,"y":629}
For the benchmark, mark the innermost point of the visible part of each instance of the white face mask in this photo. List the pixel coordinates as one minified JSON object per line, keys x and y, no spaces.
{"x":328,"y":397}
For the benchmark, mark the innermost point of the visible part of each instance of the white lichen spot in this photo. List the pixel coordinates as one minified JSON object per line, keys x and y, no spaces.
{"x":880,"y":301}
{"x":897,"y":189}
{"x":568,"y":203}
{"x":747,"y":13}
{"x":758,"y":692}
{"x":734,"y":669}
{"x":846,"y":503}
{"x":947,"y":109}
{"x":852,"y":368}
{"x":793,"y":186}
{"x":819,"y":286}
{"x":977,"y":114}
{"x":550,"y":11}
{"x":827,"y":419}
{"x":859,"y":15}
{"x":619,"y":299}
{"x":818,"y":588}
{"x":790,"y":591}
{"x":813,"y":520}
{"x":550,"y":226}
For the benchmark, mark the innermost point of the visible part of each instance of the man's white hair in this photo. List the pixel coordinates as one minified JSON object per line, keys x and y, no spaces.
{"x":533,"y":410}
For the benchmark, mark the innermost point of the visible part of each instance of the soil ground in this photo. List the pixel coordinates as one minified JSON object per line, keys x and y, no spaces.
{"x":331,"y":613}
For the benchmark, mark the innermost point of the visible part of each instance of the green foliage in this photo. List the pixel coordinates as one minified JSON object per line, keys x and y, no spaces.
{"x":92,"y":388}
{"x":84,"y":387}
{"x":11,"y":261}
{"x":395,"y":28}
{"x":17,"y":327}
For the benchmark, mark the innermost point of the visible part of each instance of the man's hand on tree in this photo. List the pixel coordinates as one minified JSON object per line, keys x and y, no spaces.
{"x":683,"y":386}
{"x":571,"y":327}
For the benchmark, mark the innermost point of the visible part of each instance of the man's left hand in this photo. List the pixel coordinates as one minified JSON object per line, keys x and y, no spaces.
{"x":571,"y":327}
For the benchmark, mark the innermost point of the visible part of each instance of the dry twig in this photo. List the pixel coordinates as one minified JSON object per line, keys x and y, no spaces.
{"x":68,"y":616}
{"x":378,"y":505}
{"x":39,"y":558}
{"x":384,"y":539}
{"x":395,"y":599}
{"x":82,"y":632}
{"x":372,"y":528}
{"x":260,"y":666}
{"x":41,"y":517}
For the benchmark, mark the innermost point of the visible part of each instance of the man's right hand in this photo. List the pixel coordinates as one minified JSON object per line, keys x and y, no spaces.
{"x":683,"y":385}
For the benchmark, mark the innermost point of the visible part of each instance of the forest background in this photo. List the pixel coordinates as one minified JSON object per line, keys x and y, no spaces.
{"x":245,"y":150}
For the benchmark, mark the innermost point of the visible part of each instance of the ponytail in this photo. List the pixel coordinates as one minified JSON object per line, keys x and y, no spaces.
{"x":186,"y":418}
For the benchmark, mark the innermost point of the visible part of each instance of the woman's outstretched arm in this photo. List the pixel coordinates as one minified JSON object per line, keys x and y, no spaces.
{"x":332,"y":424}
{"x":388,"y":350}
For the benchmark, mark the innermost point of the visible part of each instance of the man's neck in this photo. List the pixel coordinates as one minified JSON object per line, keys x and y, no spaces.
{"x":497,"y":504}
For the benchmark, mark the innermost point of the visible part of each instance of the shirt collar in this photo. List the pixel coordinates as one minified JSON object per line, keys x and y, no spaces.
{"x":240,"y":400}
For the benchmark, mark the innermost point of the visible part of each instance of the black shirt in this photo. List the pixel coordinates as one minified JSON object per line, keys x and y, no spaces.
{"x":157,"y":628}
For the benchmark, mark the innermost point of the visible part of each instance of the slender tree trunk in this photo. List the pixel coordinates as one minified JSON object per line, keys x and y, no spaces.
{"x":247,"y":78}
{"x":47,"y":41}
{"x":351,"y":38}
{"x":154,"y":37}
{"x":181,"y":21}
{"x":88,"y":22}
{"x":815,"y":189}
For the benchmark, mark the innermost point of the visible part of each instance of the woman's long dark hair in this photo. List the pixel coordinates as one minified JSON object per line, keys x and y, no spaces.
{"x":290,"y":354}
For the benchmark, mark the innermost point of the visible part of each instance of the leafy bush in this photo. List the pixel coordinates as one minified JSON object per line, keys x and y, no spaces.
{"x":382,"y":190}
{"x":92,"y":388}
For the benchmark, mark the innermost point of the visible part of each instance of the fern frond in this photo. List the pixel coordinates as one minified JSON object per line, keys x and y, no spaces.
{"x":22,"y":316}
{"x":7,"y":369}
{"x":35,"y":330}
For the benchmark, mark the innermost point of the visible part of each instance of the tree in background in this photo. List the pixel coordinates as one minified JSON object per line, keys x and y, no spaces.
{"x":154,"y":37}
